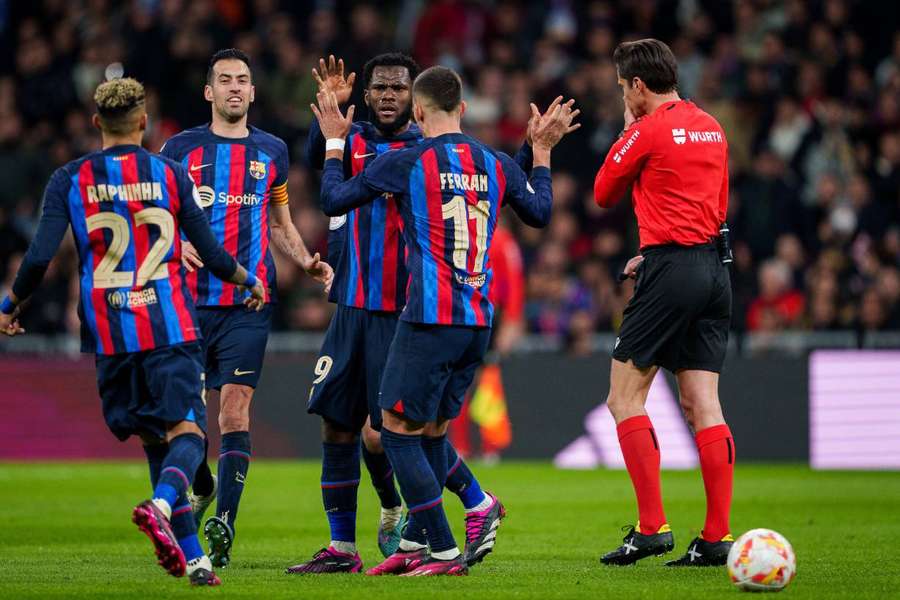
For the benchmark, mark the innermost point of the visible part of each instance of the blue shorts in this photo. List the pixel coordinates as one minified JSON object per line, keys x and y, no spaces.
{"x":145,"y":391}
{"x":429,"y":368}
{"x":351,"y":363}
{"x":234,"y":343}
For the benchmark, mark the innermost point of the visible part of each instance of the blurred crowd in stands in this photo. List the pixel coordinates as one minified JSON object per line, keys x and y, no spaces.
{"x":808,"y":93}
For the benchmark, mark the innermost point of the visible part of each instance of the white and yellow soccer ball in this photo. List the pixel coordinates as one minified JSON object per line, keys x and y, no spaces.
{"x":762,"y":560}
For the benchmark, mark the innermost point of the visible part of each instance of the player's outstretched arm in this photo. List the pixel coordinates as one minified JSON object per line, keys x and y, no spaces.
{"x":51,"y":229}
{"x":338,"y":197}
{"x":290,"y":242}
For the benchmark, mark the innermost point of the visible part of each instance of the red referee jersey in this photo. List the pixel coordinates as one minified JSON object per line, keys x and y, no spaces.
{"x":677,"y":158}
{"x":508,"y":288}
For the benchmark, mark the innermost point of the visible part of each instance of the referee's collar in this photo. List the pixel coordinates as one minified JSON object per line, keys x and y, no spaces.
{"x":669,"y":105}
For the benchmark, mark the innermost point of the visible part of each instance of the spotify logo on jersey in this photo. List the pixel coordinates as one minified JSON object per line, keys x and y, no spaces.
{"x":207,"y":196}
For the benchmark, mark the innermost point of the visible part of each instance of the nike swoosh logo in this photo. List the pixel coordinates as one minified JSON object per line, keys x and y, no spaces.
{"x":238,"y":373}
{"x":198,"y":167}
{"x":359,"y":156}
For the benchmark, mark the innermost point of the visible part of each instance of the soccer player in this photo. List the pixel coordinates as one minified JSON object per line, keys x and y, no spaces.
{"x":241,"y":173}
{"x":367,"y":251}
{"x":125,"y":206}
{"x":676,"y":156}
{"x":448,"y":190}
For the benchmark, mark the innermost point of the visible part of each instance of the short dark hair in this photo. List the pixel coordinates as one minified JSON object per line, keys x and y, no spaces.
{"x":441,"y":86}
{"x":649,"y":60}
{"x":390,"y":59}
{"x":226,"y":54}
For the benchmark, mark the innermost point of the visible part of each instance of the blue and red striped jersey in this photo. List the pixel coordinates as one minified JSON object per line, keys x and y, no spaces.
{"x":365,"y":246}
{"x":236,"y":178}
{"x":449,"y":191}
{"x":125,"y":206}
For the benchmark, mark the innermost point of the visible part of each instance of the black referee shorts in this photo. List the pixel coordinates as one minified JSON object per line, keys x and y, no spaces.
{"x":679,"y":315}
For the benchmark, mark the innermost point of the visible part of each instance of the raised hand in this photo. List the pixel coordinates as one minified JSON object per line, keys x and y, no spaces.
{"x":319,"y":270}
{"x":330,"y":78}
{"x":332,"y":123}
{"x":536,"y":117}
{"x":546,"y":130}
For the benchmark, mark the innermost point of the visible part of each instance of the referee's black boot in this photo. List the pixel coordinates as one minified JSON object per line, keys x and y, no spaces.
{"x":636,"y":545}
{"x":701,"y":553}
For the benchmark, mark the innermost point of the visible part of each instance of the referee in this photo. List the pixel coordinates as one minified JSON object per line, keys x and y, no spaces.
{"x":675,"y":155}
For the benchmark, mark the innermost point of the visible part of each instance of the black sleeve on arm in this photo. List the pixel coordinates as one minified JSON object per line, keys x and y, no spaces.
{"x":338,"y":197}
{"x":51,"y":229}
{"x":532,"y":200}
{"x":195,"y":226}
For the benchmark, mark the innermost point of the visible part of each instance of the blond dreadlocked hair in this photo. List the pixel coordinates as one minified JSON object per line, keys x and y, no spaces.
{"x":120,"y":104}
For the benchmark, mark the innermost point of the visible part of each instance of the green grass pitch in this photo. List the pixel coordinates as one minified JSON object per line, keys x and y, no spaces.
{"x":65,"y":533}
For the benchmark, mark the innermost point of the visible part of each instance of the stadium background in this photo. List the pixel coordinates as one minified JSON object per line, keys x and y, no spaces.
{"x":808,"y":93}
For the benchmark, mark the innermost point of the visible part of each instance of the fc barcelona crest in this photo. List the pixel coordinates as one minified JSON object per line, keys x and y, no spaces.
{"x":257,"y":169}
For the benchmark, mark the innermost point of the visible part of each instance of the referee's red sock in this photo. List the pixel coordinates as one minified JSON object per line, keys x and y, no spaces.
{"x":641,"y":451}
{"x":716,"y":448}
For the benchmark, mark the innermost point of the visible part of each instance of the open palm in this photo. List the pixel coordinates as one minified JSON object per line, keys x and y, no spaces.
{"x":330,"y":77}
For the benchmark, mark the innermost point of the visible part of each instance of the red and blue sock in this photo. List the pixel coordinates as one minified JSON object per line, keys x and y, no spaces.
{"x":435,"y":449}
{"x":185,"y":530}
{"x":234,"y":462}
{"x":382,"y":474}
{"x":340,"y":482}
{"x":461,"y":481}
{"x":419,"y":485}
{"x":185,"y":454}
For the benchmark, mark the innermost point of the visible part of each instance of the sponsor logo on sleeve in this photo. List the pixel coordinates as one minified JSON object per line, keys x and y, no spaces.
{"x":620,"y":153}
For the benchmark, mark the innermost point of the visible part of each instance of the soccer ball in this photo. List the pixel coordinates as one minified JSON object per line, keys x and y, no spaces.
{"x":762,"y":560}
